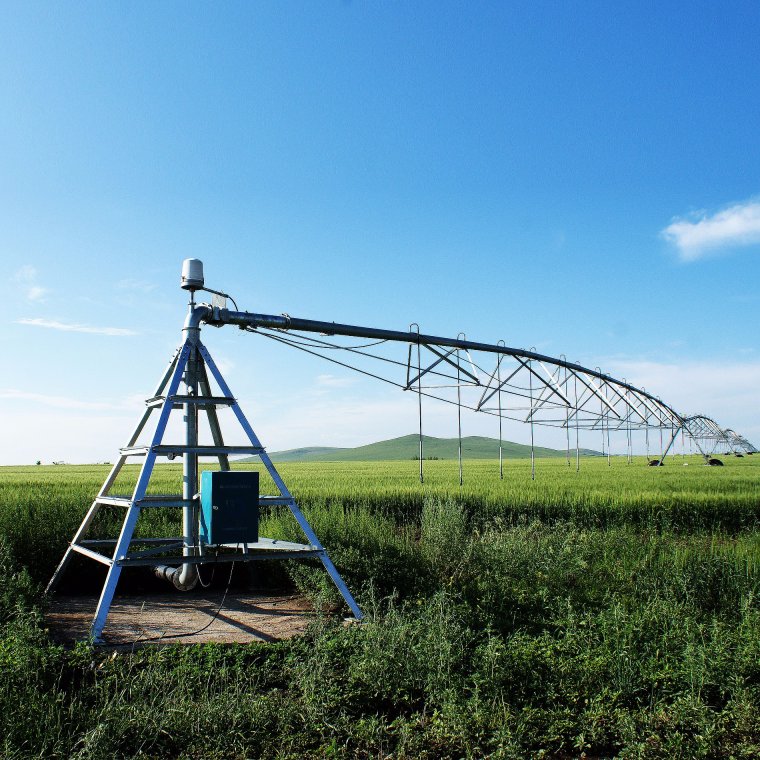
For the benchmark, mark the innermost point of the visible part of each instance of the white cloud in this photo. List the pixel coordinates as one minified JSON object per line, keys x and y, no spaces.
{"x":734,"y":226}
{"x":75,"y":327}
{"x":57,"y":402}
{"x":37,"y":293}
{"x":331,"y":381}
{"x":27,"y":278}
{"x":725,"y":391}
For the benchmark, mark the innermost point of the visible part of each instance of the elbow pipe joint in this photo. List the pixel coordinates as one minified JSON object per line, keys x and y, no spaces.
{"x":196,"y":316}
{"x":183,"y":578}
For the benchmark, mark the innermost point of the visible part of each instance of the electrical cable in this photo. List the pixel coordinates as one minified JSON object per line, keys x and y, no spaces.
{"x":166,"y":636}
{"x":213,"y":571}
{"x":513,"y":392}
{"x":549,"y":399}
{"x":334,"y":361}
{"x":311,"y":340}
{"x":220,"y":293}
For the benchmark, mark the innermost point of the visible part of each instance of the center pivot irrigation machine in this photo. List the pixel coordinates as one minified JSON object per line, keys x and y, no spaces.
{"x":221,"y":509}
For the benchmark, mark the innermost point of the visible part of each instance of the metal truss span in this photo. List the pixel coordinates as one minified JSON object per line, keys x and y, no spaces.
{"x":510,"y":383}
{"x":709,"y":437}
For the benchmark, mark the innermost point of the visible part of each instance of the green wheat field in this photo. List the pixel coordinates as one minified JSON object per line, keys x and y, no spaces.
{"x":613,"y":611}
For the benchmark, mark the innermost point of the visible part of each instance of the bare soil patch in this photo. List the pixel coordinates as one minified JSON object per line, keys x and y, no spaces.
{"x":179,"y":618}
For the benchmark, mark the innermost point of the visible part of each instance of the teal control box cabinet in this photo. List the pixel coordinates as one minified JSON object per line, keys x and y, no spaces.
{"x":229,"y":507}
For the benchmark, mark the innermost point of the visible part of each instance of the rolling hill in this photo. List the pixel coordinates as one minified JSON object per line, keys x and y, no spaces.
{"x":407,"y":447}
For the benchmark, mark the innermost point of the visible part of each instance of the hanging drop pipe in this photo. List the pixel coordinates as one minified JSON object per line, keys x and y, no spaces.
{"x":605,"y":417}
{"x":601,"y":414}
{"x":606,"y":421}
{"x":567,"y":416}
{"x":577,"y":436}
{"x":628,"y":435}
{"x":498,"y":381}
{"x":609,"y":460}
{"x":419,"y":397}
{"x":646,"y":439}
{"x":532,"y":452}
{"x":459,"y":414}
{"x":662,"y":455}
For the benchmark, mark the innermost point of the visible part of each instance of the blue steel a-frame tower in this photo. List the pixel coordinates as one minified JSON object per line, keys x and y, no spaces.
{"x":190,"y":366}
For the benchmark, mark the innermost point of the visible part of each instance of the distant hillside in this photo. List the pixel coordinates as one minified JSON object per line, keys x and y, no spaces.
{"x":407,"y":447}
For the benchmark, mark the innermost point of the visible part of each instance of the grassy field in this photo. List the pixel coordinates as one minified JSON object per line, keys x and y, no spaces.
{"x":612,"y":611}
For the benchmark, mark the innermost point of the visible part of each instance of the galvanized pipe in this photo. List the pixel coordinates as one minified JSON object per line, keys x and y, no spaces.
{"x":185,"y":577}
{"x":219,"y":317}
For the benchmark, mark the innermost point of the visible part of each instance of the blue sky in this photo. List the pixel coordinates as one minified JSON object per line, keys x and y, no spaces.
{"x":582,"y":178}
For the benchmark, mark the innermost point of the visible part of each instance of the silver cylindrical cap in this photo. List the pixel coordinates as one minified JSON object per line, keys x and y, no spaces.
{"x":192,"y":274}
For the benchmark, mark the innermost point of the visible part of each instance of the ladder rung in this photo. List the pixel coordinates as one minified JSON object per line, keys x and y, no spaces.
{"x":207,"y":450}
{"x":164,"y":501}
{"x":205,"y":400}
{"x":92,"y":555}
{"x":178,"y":400}
{"x":178,"y":501}
{"x":146,"y":501}
{"x":114,"y":501}
{"x":135,"y":540}
{"x":152,"y":403}
{"x":269,"y":553}
{"x":136,"y":451}
{"x":276,"y":544}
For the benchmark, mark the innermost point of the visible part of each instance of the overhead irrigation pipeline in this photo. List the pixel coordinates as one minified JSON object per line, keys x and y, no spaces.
{"x":521,"y":385}
{"x":288,"y":323}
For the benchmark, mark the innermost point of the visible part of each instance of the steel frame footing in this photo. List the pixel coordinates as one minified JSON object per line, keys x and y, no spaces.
{"x":189,"y":363}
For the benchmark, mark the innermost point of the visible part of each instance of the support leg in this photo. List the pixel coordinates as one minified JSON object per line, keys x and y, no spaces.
{"x":341,"y":586}
{"x":283,"y":489}
{"x":114,"y":571}
{"x":204,"y":388}
{"x":133,"y":512}
{"x":106,"y":487}
{"x":672,"y":441}
{"x":63,"y":564}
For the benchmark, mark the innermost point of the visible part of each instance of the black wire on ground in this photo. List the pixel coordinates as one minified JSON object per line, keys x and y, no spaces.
{"x":164,"y":637}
